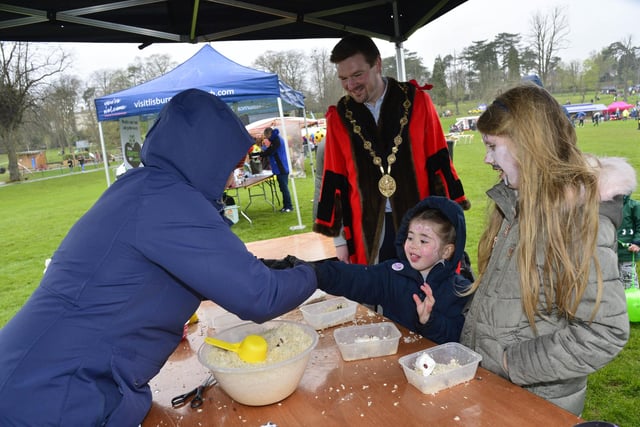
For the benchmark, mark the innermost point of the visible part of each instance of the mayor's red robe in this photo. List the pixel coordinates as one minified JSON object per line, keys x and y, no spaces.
{"x":349,"y":195}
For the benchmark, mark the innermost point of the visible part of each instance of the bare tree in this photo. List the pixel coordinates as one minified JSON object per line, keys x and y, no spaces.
{"x":575,"y":76}
{"x":101,"y":83}
{"x":548,"y":35}
{"x":24,"y":73}
{"x":90,"y":119}
{"x":456,"y":76}
{"x":290,"y":66}
{"x":324,"y":87}
{"x":59,"y":110}
{"x":148,"y":69}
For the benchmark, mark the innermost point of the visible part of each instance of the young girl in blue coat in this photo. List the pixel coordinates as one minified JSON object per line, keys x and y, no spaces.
{"x":421,"y":289}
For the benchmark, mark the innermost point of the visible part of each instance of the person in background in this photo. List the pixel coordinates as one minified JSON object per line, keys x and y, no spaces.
{"x":319,"y":141}
{"x":318,"y":176}
{"x":420,"y":289}
{"x":629,"y":242}
{"x":275,"y":150}
{"x":548,"y":308}
{"x":385,"y":151}
{"x":112,"y":304}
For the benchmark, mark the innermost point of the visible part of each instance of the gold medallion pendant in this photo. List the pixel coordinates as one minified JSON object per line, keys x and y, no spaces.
{"x":387,"y":185}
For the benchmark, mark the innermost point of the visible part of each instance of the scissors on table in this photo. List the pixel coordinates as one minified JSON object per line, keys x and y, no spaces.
{"x":196,"y":393}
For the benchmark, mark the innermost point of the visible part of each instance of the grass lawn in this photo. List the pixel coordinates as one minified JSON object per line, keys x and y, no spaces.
{"x":36,"y":215}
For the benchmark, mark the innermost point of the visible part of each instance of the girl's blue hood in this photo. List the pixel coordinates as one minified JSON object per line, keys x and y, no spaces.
{"x":452,"y":211}
{"x":199,"y":138}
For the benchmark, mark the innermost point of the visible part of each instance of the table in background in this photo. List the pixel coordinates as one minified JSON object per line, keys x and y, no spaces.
{"x":255,"y":186}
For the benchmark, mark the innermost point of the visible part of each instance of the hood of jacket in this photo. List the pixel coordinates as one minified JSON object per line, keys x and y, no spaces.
{"x":452,"y":211}
{"x":616,"y":179}
{"x":198,"y":138}
{"x":275,"y":135}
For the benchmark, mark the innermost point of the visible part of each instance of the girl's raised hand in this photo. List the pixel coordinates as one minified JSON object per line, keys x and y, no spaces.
{"x":424,"y":307}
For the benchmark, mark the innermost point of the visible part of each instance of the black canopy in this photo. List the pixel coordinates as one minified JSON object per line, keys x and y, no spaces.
{"x":193,"y":21}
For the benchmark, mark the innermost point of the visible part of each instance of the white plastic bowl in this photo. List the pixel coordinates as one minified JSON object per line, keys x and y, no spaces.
{"x":260,"y":384}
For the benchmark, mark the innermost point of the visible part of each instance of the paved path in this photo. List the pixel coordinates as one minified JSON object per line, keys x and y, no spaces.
{"x":62,"y":175}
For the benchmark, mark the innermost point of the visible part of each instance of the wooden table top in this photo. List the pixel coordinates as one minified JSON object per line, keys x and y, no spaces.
{"x":333,"y":392}
{"x":308,"y":246}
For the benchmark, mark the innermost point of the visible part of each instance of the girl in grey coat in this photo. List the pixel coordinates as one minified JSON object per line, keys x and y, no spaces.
{"x":548,"y":307}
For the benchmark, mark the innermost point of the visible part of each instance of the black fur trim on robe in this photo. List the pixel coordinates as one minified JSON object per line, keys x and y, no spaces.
{"x":334,"y":185}
{"x":381,"y":136}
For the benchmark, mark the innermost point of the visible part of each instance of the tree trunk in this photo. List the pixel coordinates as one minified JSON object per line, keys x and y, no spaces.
{"x":14,"y":172}
{"x":8,"y":141}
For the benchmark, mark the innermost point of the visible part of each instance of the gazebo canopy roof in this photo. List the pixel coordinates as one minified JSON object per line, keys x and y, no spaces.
{"x":154,"y":21}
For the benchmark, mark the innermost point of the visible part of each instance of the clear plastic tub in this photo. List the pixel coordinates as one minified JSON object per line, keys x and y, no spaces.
{"x":464,"y":363}
{"x":364,"y":341}
{"x":331,"y":312}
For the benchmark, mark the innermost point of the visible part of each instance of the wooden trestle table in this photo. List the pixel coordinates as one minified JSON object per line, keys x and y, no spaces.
{"x":332,"y":392}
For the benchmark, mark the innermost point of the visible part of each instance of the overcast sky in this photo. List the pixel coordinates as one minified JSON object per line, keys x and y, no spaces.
{"x":593,"y":24}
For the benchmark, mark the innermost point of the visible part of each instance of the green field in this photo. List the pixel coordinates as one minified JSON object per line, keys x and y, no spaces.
{"x":37,"y":213}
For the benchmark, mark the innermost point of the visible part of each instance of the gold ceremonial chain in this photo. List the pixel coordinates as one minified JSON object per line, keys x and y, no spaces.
{"x":386,"y":184}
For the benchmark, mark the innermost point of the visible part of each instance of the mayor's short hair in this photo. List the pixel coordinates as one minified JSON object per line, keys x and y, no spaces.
{"x":353,"y":44}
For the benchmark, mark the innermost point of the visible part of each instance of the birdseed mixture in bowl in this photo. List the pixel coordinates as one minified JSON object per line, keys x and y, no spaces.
{"x":256,"y":384}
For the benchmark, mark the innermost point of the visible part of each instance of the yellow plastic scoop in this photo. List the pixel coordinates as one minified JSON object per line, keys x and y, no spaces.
{"x":252,"y":349}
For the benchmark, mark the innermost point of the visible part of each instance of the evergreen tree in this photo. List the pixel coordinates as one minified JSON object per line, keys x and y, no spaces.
{"x":439,"y":81}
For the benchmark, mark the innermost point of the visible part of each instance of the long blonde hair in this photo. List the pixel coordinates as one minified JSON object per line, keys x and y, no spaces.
{"x":557,"y":202}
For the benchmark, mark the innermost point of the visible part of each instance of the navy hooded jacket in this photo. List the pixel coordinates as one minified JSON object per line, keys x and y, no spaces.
{"x":112,"y":304}
{"x":392,"y":283}
{"x":277,"y":154}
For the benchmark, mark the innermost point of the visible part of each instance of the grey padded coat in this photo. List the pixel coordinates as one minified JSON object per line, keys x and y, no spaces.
{"x":553,"y":364}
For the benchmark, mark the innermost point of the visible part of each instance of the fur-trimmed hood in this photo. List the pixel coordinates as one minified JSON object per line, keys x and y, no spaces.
{"x":616,"y":177}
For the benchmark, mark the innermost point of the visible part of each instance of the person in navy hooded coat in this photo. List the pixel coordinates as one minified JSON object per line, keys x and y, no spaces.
{"x":112,"y":304}
{"x":277,"y":153}
{"x":425,"y":286}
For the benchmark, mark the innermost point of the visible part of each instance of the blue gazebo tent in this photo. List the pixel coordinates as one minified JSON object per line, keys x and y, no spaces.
{"x":207,"y":70}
